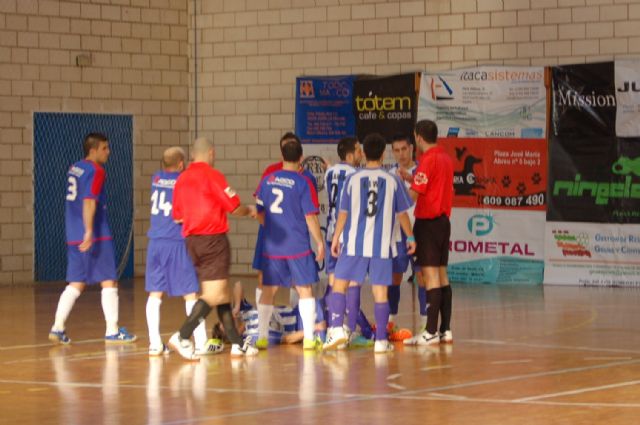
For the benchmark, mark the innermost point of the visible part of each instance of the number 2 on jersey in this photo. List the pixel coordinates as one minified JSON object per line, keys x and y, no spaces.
{"x":158,"y":203}
{"x":275,"y":205}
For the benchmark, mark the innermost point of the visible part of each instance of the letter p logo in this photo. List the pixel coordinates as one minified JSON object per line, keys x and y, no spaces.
{"x":480,"y":225}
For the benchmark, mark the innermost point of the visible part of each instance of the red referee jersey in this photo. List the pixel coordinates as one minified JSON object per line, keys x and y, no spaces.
{"x":201,"y":199}
{"x":433,"y":181}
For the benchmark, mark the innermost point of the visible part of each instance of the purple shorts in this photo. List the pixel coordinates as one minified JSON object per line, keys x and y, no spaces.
{"x":289,"y":272}
{"x":169,"y":268}
{"x":356,"y":268}
{"x":94,"y":266}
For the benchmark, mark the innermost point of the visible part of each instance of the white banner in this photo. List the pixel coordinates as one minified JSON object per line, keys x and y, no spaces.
{"x":493,"y":246}
{"x":592,"y":254}
{"x":488,"y":101}
{"x":627,"y":80}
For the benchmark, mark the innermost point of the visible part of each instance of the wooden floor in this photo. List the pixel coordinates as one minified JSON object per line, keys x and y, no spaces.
{"x":522,"y":355}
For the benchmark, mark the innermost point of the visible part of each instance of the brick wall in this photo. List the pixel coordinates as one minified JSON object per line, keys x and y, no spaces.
{"x":249,"y":53}
{"x":139,"y":52}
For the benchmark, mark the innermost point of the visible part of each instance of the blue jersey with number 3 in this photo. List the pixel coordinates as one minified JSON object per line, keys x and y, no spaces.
{"x":85,"y":180}
{"x":162,"y":224}
{"x":286,"y":197}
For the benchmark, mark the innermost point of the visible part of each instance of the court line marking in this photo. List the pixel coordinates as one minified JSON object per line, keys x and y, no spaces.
{"x":394,"y":376}
{"x":503,"y":401}
{"x":606,"y":359}
{"x":507,"y":362}
{"x":579,"y":391}
{"x":396,"y":386}
{"x":549,"y":346}
{"x":426,"y":369}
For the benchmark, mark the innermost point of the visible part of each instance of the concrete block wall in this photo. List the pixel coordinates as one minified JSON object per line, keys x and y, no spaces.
{"x":140,"y":66}
{"x":248,"y":55}
{"x":252,"y":50}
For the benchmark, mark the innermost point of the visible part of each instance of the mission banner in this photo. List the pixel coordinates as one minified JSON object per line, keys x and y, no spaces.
{"x":488,"y":101}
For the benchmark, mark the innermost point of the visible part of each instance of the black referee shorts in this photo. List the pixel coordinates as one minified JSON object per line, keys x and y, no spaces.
{"x":432,"y":239}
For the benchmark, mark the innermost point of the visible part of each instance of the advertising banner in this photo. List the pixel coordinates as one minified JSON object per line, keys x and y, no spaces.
{"x":488,"y":101}
{"x":499,"y":173}
{"x":386,"y":105}
{"x":592,"y":254}
{"x":323,"y":109}
{"x":593,"y":212}
{"x":495,"y":246}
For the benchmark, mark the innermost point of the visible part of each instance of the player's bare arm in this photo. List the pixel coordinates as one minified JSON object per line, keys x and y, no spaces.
{"x":405,"y":223}
{"x":88,"y":213}
{"x":314,"y":228}
{"x":245,"y":211}
{"x":335,"y":243}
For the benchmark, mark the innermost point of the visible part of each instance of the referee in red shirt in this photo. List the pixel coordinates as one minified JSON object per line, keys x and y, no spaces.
{"x":201,"y":201}
{"x":432,"y":189}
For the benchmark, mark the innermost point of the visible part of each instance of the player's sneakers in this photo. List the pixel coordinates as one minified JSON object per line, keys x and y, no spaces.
{"x":347,"y":333}
{"x":425,"y":338}
{"x":382,"y":346}
{"x":399,"y":334}
{"x":122,"y":337}
{"x":262,"y":343}
{"x":335,"y":337}
{"x":158,"y":351}
{"x":414,"y":339}
{"x":246,"y":349}
{"x":311,"y":344}
{"x":356,"y":341}
{"x":59,"y":337}
{"x":212,"y":346}
{"x":446,"y":337}
{"x":184,"y":347}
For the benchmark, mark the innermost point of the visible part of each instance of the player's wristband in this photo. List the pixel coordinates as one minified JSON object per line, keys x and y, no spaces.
{"x":411,"y":238}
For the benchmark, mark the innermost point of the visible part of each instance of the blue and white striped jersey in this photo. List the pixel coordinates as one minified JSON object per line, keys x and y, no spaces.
{"x":334,"y":180}
{"x":372,"y":197}
{"x":398,"y":235}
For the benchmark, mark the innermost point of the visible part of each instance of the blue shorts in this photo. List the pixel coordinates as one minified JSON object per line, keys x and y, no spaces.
{"x":402,"y":260}
{"x":257,"y":254}
{"x":289,"y":272}
{"x":329,"y":260}
{"x":169,"y":268}
{"x":356,"y":268}
{"x":91,"y":267}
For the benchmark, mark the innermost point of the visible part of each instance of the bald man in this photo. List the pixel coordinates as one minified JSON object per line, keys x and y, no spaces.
{"x":201,"y":201}
{"x":169,"y":268}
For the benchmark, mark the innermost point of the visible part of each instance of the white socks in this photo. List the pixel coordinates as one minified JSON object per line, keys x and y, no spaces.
{"x":423,"y":321}
{"x":153,"y":321}
{"x":109,"y":298}
{"x":264,"y":316}
{"x":392,"y":318}
{"x":200,"y":332}
{"x":258,"y":295}
{"x":65,"y":304}
{"x":307,"y":308}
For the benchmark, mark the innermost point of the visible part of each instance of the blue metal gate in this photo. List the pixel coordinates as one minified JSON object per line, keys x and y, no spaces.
{"x":57,"y":143}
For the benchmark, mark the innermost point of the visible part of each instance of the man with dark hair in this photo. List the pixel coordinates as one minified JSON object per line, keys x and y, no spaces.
{"x":288,"y":206}
{"x":432,"y":188}
{"x":404,"y":168}
{"x":372,"y":199}
{"x":350,"y":154}
{"x":90,"y":256}
{"x":169,"y":268}
{"x":257,"y":255}
{"x":202,"y":199}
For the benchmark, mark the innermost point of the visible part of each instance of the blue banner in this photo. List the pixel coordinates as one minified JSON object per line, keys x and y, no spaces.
{"x":324,"y":112}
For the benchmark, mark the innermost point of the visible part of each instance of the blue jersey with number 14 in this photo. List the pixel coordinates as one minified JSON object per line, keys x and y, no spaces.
{"x":162,"y":224}
{"x":286,"y":198}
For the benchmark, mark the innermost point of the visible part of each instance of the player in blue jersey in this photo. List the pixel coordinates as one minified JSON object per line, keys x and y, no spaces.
{"x":90,"y":257}
{"x":257,"y":255}
{"x":288,"y":206}
{"x":372,"y":200}
{"x":350,"y":154}
{"x":405,"y":167}
{"x":169,"y":267}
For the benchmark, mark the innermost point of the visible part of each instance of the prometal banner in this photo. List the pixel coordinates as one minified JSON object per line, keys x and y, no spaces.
{"x":488,"y":101}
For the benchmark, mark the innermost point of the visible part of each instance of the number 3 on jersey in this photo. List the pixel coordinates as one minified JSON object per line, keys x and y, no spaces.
{"x":158,"y":203}
{"x":72,"y":190}
{"x":275,"y":205}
